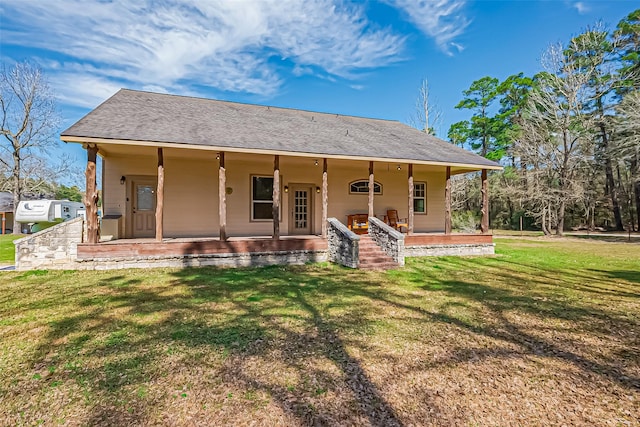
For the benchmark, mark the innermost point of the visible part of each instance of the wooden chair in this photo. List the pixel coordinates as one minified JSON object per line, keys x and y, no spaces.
{"x":394,"y":221}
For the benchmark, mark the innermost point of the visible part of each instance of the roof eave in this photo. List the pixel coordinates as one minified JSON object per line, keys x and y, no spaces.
{"x":92,"y":140}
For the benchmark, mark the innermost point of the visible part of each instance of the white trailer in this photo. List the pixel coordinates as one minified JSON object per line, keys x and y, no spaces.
{"x":40,"y":214}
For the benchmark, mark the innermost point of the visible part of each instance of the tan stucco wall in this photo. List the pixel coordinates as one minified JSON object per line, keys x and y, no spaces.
{"x":191,"y":190}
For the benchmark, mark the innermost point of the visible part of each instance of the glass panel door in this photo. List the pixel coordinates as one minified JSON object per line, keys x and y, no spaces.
{"x":144,"y":208}
{"x":300,"y":207}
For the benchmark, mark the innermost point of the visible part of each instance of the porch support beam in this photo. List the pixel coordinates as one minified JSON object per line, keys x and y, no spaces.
{"x":410,"y":216}
{"x":325,"y":197}
{"x":447,"y":203}
{"x":276,"y":197}
{"x":484,"y":225}
{"x":160,"y":197}
{"x":91,"y":195}
{"x":222,"y":198}
{"x":371,"y":185}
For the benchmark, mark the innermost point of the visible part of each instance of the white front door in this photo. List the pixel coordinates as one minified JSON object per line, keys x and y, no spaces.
{"x":300,"y":206}
{"x":144,"y":208}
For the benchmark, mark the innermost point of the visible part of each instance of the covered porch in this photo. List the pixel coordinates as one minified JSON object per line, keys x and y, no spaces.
{"x":181,"y":205}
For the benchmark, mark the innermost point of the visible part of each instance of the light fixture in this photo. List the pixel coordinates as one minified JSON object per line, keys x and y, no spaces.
{"x":316,"y":163}
{"x":122,"y":180}
{"x":286,"y":188}
{"x":399,"y":167}
{"x":217,"y":156}
{"x":318,"y":190}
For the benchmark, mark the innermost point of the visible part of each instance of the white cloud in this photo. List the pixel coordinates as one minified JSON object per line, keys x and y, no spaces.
{"x":441,"y":19}
{"x":581,"y":7}
{"x":170,"y":45}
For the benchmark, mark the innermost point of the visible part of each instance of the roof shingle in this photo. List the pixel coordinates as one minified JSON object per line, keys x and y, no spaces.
{"x":145,"y":116}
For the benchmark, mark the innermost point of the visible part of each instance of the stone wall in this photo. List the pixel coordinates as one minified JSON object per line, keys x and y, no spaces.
{"x":253,"y":259}
{"x":344,"y":244}
{"x":448,"y":250}
{"x":389,"y":239}
{"x":54,"y":248}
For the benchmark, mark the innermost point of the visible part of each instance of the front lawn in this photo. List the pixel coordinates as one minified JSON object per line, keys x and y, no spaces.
{"x":545,"y":333}
{"x":7,"y":248}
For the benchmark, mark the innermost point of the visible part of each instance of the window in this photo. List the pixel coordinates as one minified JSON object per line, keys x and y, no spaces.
{"x":420,"y":197}
{"x":362,"y":187}
{"x":261,"y":198}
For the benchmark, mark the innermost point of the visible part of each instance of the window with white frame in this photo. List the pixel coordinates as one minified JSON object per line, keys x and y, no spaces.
{"x":420,"y":197}
{"x":261,"y":198}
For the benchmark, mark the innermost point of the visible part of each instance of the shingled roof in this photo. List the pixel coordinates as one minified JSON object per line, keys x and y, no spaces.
{"x":135,"y":116}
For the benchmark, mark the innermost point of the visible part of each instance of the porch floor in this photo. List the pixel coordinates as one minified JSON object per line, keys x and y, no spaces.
{"x":205,"y":239}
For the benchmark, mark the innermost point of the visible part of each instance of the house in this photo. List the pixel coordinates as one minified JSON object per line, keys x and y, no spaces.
{"x":6,"y":212}
{"x":192,"y":181}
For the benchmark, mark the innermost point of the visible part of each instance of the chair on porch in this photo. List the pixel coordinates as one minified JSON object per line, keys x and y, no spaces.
{"x":394,"y":221}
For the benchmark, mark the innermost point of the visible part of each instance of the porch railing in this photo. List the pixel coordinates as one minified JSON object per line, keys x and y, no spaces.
{"x":389,"y":239}
{"x":344,"y":244}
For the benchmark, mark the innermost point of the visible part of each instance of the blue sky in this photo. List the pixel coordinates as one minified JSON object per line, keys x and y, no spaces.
{"x":357,"y":58}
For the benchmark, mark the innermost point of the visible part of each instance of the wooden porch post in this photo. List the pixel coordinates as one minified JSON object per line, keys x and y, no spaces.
{"x":4,"y":222}
{"x":276,"y":197}
{"x":325,"y":197}
{"x":91,"y":196}
{"x":371,"y":185}
{"x":222,"y":198}
{"x":160,"y":197}
{"x":447,"y":203}
{"x":410,"y":216}
{"x":484,"y":225}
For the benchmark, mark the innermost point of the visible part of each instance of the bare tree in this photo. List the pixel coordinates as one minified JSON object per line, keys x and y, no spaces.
{"x":426,"y":116}
{"x":29,"y":121}
{"x":556,"y":143}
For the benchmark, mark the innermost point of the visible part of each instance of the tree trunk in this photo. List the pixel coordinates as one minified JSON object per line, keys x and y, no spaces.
{"x":608,"y":169}
{"x":511,"y":212}
{"x":560,"y":226}
{"x":635,"y":170}
{"x":545,"y":230}
{"x":17,"y":191}
{"x":636,"y":190}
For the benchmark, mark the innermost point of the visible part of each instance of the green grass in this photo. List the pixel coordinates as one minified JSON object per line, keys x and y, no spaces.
{"x":531,"y":335}
{"x":7,"y":249}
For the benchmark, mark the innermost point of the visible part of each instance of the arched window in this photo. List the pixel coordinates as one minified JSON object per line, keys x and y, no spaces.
{"x":361,"y":186}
